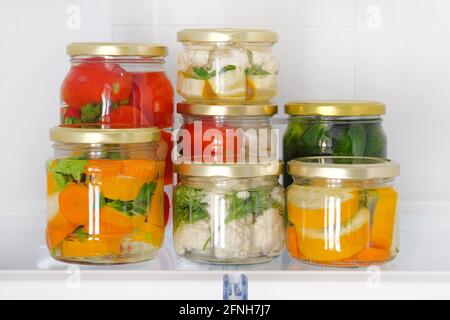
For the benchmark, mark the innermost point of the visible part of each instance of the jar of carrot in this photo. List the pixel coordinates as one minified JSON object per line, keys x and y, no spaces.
{"x":105,"y":195}
{"x":342,"y":211}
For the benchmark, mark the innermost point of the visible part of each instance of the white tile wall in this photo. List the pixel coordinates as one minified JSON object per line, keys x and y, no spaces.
{"x":395,"y":51}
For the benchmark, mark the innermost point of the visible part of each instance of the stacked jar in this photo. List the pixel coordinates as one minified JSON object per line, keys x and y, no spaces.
{"x":228,"y":206}
{"x":341,"y":200}
{"x":106,"y":199}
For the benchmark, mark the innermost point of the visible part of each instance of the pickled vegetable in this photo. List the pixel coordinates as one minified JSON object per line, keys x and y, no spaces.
{"x":342,"y":227}
{"x":105,"y":211}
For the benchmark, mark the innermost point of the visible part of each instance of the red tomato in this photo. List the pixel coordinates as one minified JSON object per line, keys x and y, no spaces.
{"x":153,"y":94}
{"x":166,"y":208}
{"x":93,"y":82}
{"x":213,"y":146}
{"x":125,"y":116}
{"x":70,"y":116}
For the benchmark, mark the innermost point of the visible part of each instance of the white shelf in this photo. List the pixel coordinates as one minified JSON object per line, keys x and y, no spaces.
{"x":422,"y":269}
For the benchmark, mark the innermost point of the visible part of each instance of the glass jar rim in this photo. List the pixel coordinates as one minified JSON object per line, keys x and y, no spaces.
{"x":345,"y":168}
{"x":226,"y":35}
{"x":227,"y":110}
{"x":335,"y":108}
{"x":240,"y":170}
{"x":116,"y":49}
{"x":104,"y":136}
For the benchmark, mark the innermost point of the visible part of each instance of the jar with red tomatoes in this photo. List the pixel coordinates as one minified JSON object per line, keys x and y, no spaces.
{"x":218,"y":133}
{"x":118,"y":85}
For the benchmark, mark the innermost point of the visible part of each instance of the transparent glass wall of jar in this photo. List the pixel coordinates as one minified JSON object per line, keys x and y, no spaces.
{"x":227,"y":65}
{"x":105,"y":194}
{"x":229,"y":214}
{"x":333,"y":128}
{"x":342,"y":211}
{"x":228,"y":133}
{"x":118,"y":85}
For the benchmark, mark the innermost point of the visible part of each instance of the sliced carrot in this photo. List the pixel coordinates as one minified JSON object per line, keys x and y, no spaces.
{"x":51,"y":184}
{"x":156,"y":211}
{"x":140,"y":169}
{"x":57,"y":220}
{"x":337,"y":242}
{"x":115,"y":217}
{"x":103,"y":168}
{"x":251,"y":89}
{"x":322,"y":217}
{"x":384,"y":219}
{"x":208,"y":92}
{"x":92,"y":246}
{"x":74,"y":203}
{"x":291,"y":241}
{"x":121,"y":187}
{"x":109,"y":229}
{"x":372,"y":255}
{"x":57,"y":235}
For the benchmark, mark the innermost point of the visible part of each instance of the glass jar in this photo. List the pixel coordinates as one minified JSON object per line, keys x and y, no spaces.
{"x":118,"y":85}
{"x":229,"y":214}
{"x":342,"y":211}
{"x":333,"y":128}
{"x":222,"y":65}
{"x":227,"y":134}
{"x":105,"y":195}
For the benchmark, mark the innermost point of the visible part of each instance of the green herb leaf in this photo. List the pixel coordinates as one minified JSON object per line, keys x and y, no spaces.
{"x":91,"y":112}
{"x":81,"y":234}
{"x":357,"y":134}
{"x":226,"y":68}
{"x":72,"y":120}
{"x":189,"y":206}
{"x":203,"y":73}
{"x":257,"y":202}
{"x":256,"y":71}
{"x":67,"y":170}
{"x":376,"y":144}
{"x":139,"y":206}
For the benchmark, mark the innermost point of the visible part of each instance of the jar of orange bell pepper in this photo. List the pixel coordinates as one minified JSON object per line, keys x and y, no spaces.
{"x":105,"y":195}
{"x":342,"y":211}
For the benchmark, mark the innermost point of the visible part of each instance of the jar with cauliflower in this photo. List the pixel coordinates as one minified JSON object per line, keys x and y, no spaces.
{"x":227,"y":65}
{"x":229,"y":214}
{"x":342,"y":211}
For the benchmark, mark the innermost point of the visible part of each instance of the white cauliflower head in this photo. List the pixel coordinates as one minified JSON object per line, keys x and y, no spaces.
{"x":268,"y":233}
{"x":233,"y":240}
{"x":192,"y":237}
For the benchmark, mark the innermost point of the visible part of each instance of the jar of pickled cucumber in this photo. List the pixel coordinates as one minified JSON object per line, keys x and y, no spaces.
{"x":105,"y":191}
{"x":216,"y":133}
{"x":333,"y":128}
{"x":342,"y":211}
{"x":221,"y":65}
{"x":229,"y":213}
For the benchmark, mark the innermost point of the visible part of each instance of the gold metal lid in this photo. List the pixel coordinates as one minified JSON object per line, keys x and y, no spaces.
{"x":104,"y":136}
{"x":227,"y":110}
{"x":334,"y":108}
{"x":229,"y":170}
{"x":116,"y":49}
{"x":351,"y":168}
{"x":227,"y":35}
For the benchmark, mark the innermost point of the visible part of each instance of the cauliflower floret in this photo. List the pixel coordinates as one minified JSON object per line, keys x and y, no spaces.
{"x":192,"y":237}
{"x":236,"y":57}
{"x":278,"y":195}
{"x":243,"y":194}
{"x":268,"y":233}
{"x":266,"y":60}
{"x":193,"y":57}
{"x":235,"y":241}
